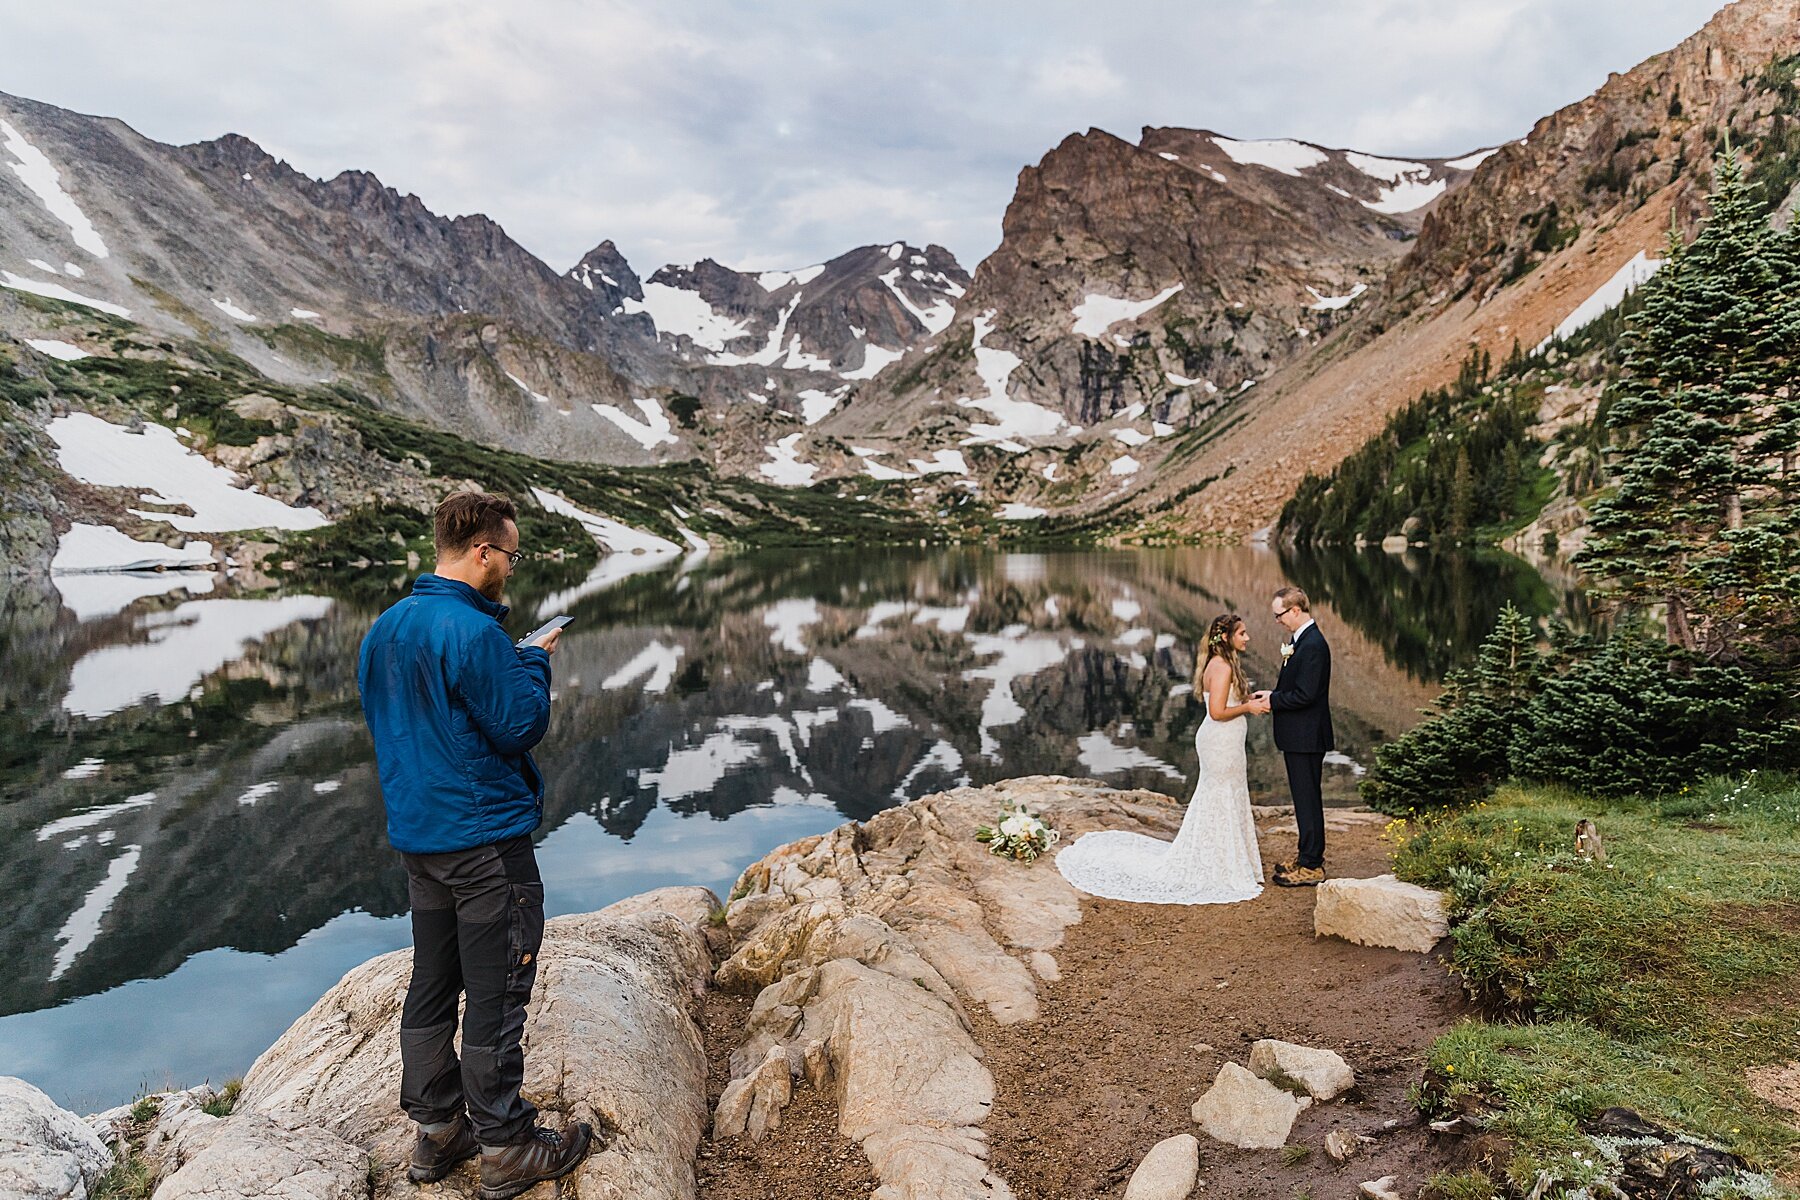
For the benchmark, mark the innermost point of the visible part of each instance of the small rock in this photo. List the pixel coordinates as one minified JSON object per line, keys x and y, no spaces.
{"x":1321,"y":1074}
{"x":1044,"y":965}
{"x":1247,"y":1112}
{"x":45,"y":1150}
{"x":1380,"y":1189}
{"x":1380,"y":912}
{"x":1168,"y":1171}
{"x":752,"y":1105}
{"x":1340,"y":1145}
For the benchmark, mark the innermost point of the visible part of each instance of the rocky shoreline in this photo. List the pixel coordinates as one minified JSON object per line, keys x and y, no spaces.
{"x":875,"y":959}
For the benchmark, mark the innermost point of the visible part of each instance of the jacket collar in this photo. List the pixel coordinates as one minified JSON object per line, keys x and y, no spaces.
{"x":436,"y":585}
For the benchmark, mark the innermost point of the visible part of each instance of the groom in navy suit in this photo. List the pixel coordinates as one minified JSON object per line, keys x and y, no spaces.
{"x":1301,"y":702}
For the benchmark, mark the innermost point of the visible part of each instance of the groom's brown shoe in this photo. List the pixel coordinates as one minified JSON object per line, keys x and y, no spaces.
{"x":1287,"y":875}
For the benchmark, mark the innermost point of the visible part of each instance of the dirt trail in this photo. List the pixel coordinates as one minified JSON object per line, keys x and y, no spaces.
{"x":1152,"y":1000}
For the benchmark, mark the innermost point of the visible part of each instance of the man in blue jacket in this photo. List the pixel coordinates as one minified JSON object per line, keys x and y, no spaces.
{"x":455,"y":709}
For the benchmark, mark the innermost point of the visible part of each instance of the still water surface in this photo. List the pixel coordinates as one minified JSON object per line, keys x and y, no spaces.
{"x":191,"y":833}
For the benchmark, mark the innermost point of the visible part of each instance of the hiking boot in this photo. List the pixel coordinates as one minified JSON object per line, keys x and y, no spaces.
{"x":544,"y":1154}
{"x":1296,"y":876}
{"x":437,"y":1154}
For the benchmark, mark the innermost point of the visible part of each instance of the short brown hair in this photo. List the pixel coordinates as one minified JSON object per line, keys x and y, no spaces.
{"x":1293,"y":597}
{"x":465,"y":518}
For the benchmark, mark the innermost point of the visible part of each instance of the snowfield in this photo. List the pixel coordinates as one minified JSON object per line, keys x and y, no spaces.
{"x":679,"y":311}
{"x":1608,"y":295}
{"x":649,"y":433}
{"x":1324,"y":303}
{"x":1288,"y":157}
{"x":56,"y":291}
{"x":42,"y":180}
{"x":58,"y":350}
{"x":1096,"y":314}
{"x":787,"y":470}
{"x":103,"y":548}
{"x":614,"y":536}
{"x":1013,"y":419}
{"x":107,"y":455}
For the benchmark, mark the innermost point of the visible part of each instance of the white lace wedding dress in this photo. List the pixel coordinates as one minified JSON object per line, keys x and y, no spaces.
{"x":1213,"y":860}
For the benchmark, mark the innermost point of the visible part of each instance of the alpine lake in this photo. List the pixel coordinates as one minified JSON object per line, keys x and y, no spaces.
{"x":192,"y":842}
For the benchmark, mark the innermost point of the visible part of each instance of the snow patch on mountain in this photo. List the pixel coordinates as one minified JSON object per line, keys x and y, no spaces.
{"x":56,"y":291}
{"x":769,"y":354}
{"x":526,"y":388}
{"x":679,"y":311}
{"x":102,"y":548}
{"x":942,"y":462}
{"x":1279,"y":154}
{"x":1407,"y":195}
{"x":1606,"y":296}
{"x":774,"y":281}
{"x":787,"y":470}
{"x":875,"y":360}
{"x":1472,"y":161}
{"x":1012,"y":418}
{"x":815,"y":405}
{"x":935,"y":319}
{"x":1096,"y":314}
{"x":43,"y":180}
{"x":615,"y":536}
{"x":651,"y":432}
{"x":107,"y":455}
{"x":233,"y":311}
{"x":63,"y":351}
{"x":1324,"y":303}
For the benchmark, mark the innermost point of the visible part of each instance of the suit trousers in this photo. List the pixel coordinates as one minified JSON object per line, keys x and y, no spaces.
{"x":478,"y":923}
{"x":1306,"y":773}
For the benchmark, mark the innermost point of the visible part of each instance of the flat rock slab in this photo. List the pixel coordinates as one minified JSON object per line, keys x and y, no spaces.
{"x":252,"y":1155}
{"x":1243,"y":1110}
{"x":45,"y":1150}
{"x":609,"y":1039}
{"x":1381,"y":911}
{"x":867,"y":947}
{"x":1321,"y":1074}
{"x":1168,"y":1172}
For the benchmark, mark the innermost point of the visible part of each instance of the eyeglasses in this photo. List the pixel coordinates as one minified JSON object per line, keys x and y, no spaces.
{"x":512,"y":556}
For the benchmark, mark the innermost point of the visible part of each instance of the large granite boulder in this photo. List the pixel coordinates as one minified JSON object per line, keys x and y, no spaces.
{"x":1381,"y":911}
{"x":46,"y":1151}
{"x":868,"y":947}
{"x":610,"y":1039}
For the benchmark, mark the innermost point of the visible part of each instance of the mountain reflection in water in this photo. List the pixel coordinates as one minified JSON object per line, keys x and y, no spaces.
{"x":194,"y":841}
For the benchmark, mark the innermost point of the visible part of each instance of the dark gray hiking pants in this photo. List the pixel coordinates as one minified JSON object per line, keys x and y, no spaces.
{"x":478,"y":922}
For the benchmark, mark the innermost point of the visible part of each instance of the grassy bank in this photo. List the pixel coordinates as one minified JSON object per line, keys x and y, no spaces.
{"x":1664,"y":979}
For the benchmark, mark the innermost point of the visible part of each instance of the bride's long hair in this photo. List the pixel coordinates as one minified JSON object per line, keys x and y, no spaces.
{"x":1224,"y":627}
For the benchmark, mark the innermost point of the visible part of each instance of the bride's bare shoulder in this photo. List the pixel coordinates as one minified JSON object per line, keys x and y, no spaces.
{"x":1214,"y":668}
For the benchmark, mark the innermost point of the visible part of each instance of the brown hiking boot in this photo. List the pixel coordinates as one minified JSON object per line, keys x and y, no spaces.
{"x":545,"y":1154}
{"x":437,"y":1154}
{"x":1297,"y":876}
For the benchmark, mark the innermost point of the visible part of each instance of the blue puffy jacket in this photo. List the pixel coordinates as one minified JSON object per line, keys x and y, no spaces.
{"x":455,"y":709}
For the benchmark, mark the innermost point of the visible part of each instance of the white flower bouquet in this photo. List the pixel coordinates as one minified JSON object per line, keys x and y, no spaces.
{"x":1019,"y":834}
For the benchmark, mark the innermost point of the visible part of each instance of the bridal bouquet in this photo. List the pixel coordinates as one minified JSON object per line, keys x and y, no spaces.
{"x":1019,"y":834}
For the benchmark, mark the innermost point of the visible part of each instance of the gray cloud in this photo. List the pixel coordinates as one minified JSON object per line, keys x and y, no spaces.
{"x":766,"y":133}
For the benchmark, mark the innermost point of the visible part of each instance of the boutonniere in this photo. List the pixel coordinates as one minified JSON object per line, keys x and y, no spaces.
{"x":1287,"y":652}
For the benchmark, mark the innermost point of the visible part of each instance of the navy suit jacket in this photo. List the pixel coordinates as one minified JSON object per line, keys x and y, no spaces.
{"x":1301,"y":699}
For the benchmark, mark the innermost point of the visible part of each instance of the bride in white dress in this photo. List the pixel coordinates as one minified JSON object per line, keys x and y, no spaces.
{"x":1214,"y":859}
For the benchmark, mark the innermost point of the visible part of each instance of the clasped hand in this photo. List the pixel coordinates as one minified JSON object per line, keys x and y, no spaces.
{"x":1259,"y":703}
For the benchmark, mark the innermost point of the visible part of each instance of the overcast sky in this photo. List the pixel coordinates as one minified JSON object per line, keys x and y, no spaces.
{"x":765,"y":133}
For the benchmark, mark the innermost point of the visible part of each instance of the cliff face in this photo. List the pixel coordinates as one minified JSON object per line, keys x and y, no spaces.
{"x":1540,"y":228}
{"x":1164,"y":275}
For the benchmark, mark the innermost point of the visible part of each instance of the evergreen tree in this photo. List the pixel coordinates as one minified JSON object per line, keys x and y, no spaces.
{"x":1462,"y":494}
{"x":1460,"y":752}
{"x":1692,"y":525}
